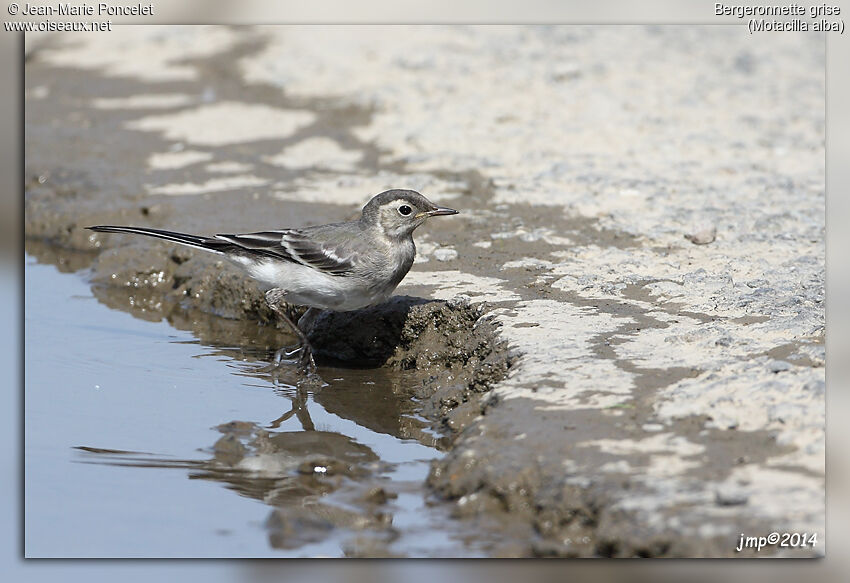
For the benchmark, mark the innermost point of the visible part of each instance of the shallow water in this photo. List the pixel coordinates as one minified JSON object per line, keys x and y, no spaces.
{"x":142,"y":441}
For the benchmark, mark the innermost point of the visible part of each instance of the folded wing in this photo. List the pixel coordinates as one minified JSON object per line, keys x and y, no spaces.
{"x":298,"y":246}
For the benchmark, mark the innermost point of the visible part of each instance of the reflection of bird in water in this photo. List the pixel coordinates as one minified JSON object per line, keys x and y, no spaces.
{"x":299,"y":409}
{"x":318,"y":483}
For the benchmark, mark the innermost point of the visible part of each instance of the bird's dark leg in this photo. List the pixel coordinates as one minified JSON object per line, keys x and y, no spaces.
{"x":308,"y":317}
{"x":305,"y":359}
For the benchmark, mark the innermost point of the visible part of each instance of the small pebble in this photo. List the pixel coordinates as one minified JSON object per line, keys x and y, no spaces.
{"x":730,"y":496}
{"x":703,"y":236}
{"x":458,"y":301}
{"x":445,"y":254}
{"x":777,"y":366}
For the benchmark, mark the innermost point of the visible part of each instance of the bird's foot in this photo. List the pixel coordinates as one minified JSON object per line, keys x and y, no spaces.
{"x":285,"y":354}
{"x":305,"y":361}
{"x":305,"y":358}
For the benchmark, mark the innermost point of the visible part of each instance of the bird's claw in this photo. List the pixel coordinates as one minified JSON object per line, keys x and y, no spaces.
{"x":285,"y":352}
{"x":305,"y":360}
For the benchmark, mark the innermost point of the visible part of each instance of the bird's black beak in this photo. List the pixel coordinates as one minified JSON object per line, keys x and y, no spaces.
{"x":441,"y":210}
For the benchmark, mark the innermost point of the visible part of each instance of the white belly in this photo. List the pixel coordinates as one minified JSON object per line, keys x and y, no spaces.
{"x":304,"y":286}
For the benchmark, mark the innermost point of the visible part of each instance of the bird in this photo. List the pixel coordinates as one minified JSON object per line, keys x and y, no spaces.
{"x":339,"y":266}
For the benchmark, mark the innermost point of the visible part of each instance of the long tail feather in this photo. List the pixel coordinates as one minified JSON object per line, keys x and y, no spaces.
{"x":205,"y":243}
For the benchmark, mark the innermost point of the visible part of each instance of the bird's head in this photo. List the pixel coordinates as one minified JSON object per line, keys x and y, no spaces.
{"x":399,"y":212}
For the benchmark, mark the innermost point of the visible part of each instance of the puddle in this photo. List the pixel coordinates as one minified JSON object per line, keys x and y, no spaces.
{"x":142,"y":440}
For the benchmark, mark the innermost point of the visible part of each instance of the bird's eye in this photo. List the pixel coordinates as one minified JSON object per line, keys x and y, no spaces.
{"x":404,"y":210}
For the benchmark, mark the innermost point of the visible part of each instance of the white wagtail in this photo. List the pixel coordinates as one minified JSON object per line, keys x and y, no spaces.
{"x":340,"y":266}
